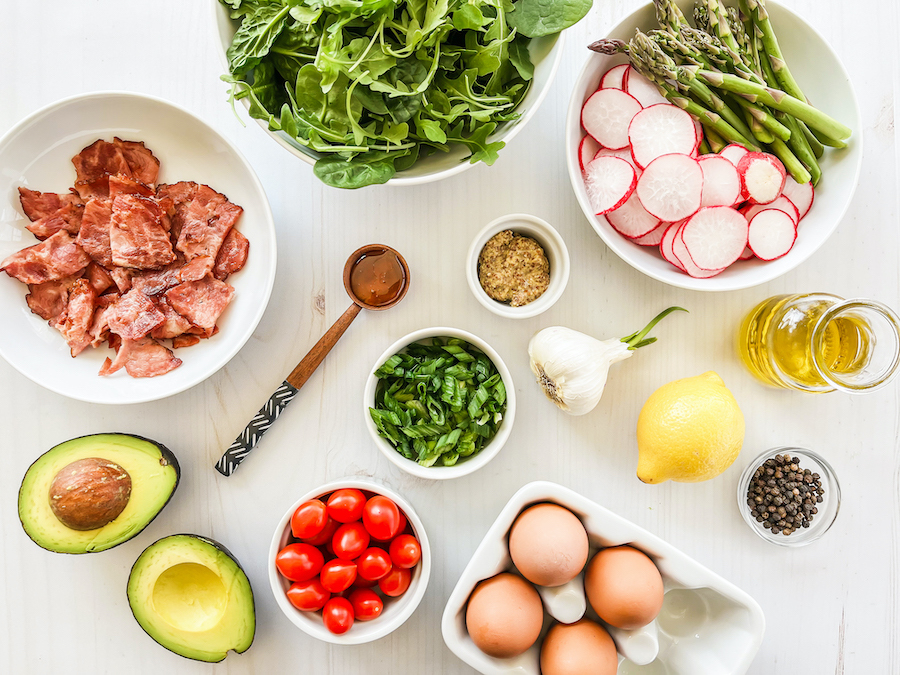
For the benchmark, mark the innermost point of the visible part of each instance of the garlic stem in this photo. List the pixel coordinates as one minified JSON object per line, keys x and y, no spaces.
{"x":636,"y":340}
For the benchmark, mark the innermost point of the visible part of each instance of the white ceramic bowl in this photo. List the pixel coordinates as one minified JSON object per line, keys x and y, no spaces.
{"x":824,"y":80}
{"x":707,"y":626}
{"x":396,"y":610}
{"x":465,"y":465}
{"x":546,"y":53}
{"x":554,"y":247}
{"x":37,"y":153}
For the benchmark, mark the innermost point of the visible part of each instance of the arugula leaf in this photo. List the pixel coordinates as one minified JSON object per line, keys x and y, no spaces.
{"x":536,"y":18}
{"x":520,"y":58}
{"x":254,"y":38}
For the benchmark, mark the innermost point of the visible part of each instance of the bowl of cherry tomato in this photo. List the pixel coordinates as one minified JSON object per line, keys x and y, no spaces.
{"x":349,"y":562}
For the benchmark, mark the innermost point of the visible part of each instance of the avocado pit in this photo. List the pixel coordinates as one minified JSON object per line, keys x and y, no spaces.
{"x":89,"y":493}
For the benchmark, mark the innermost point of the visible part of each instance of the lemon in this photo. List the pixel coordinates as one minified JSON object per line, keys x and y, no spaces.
{"x":689,"y":430}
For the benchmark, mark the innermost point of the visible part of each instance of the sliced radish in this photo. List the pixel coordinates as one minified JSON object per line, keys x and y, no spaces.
{"x":801,"y":196}
{"x":733,"y":153}
{"x":623,"y":153}
{"x":614,"y":78}
{"x":762,"y":177}
{"x":632,"y":219}
{"x":684,"y":257}
{"x":721,"y":181}
{"x":747,"y":254}
{"x":782,"y":204}
{"x":671,"y":187}
{"x":606,"y":116}
{"x":609,"y":182}
{"x":772,"y":234}
{"x":659,"y":130}
{"x":587,"y":149}
{"x":666,"y":245}
{"x":642,"y":89}
{"x":714,"y":237}
{"x":653,"y":237}
{"x":699,"y":128}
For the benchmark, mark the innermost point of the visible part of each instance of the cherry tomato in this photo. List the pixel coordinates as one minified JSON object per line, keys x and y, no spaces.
{"x":325,"y":535}
{"x":308,"y":596}
{"x":350,"y":540}
{"x":309,"y":519}
{"x":299,"y":562}
{"x":405,"y":551}
{"x":337,"y":575}
{"x":373,"y":564}
{"x":395,"y":583}
{"x":381,"y":518}
{"x":338,"y":615}
{"x":363,"y":583}
{"x":366,"y":604}
{"x":346,"y":505}
{"x":403,"y":523}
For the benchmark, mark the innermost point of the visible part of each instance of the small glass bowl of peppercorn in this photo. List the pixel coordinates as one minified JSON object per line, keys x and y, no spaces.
{"x":517,"y":266}
{"x":789,"y":496}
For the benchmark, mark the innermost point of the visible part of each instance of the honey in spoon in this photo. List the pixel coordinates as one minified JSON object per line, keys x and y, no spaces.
{"x":377,"y":277}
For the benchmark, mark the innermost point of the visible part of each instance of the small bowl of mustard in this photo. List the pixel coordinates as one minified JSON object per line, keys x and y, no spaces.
{"x":517,"y":266}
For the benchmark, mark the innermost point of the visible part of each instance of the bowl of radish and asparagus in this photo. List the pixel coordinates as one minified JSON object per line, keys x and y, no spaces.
{"x":712,"y":146}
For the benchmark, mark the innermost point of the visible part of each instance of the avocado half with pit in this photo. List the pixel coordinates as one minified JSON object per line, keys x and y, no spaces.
{"x":95,"y":492}
{"x":191,"y":596}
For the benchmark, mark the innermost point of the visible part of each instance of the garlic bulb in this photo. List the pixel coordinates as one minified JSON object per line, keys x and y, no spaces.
{"x":572,"y":367}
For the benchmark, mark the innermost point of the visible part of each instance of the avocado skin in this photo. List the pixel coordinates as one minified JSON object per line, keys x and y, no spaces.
{"x":222,"y":549}
{"x":165,"y":455}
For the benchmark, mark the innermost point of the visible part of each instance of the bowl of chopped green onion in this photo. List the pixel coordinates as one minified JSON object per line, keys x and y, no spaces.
{"x":440,"y":403}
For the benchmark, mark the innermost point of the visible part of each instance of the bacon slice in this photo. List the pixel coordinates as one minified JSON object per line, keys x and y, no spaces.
{"x":49,"y":300}
{"x":99,"y":330}
{"x":75,"y":322}
{"x":94,"y":165}
{"x":232,"y":256}
{"x":201,"y":302}
{"x":153,"y":282}
{"x":202,"y":217}
{"x":98,"y":277}
{"x":144,"y":166}
{"x":134,"y":315}
{"x":122,"y":278}
{"x":185,"y":341}
{"x":174,"y":324}
{"x":55,"y":258}
{"x":66,"y":218}
{"x":93,"y":236}
{"x":37,"y":205}
{"x":142,"y":358}
{"x":123,"y":185}
{"x":136,"y":237}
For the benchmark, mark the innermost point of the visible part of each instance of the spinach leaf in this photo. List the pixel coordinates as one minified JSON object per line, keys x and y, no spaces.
{"x":536,"y":18}
{"x":355,"y":173}
{"x":254,"y":38}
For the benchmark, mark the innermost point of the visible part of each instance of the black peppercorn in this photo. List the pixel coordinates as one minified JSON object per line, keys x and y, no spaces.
{"x":782,"y":495}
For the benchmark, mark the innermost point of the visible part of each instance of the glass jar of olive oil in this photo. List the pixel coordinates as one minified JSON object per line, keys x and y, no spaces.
{"x":819,"y":342}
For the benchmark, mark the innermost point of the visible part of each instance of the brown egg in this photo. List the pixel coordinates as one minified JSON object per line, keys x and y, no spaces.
{"x":581,"y":648}
{"x":624,"y":587}
{"x":548,"y":545}
{"x":504,"y":616}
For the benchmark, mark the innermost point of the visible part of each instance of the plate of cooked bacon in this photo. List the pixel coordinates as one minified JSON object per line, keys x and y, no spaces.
{"x":137,"y":248}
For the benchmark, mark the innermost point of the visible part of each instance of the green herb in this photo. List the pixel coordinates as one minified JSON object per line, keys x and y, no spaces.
{"x":439,"y":402}
{"x":373,"y":86}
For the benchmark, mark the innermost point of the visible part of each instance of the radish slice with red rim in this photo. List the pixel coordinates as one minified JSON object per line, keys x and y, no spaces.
{"x":642,"y":89}
{"x":699,"y":128}
{"x":623,"y":153}
{"x":714,"y":237}
{"x":653,"y":237}
{"x":659,"y":130}
{"x":666,"y":245}
{"x":762,"y":177}
{"x":679,"y":248}
{"x":733,"y":153}
{"x":670,"y":187}
{"x":747,"y":254}
{"x":772,"y":234}
{"x":587,"y":150}
{"x":631,"y":219}
{"x":782,"y":204}
{"x":614,"y":78}
{"x":606,"y":116}
{"x":609,"y":182}
{"x":801,"y":196}
{"x":721,"y":181}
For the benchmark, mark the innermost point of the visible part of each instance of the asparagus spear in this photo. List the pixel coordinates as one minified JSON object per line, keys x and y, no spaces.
{"x":793,"y":165}
{"x":716,"y":142}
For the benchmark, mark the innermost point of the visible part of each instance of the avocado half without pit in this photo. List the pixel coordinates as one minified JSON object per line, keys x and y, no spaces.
{"x":95,"y":492}
{"x":191,"y":596}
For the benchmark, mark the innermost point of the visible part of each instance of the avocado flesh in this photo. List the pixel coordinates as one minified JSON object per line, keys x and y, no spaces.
{"x":154,"y":472}
{"x":191,"y":596}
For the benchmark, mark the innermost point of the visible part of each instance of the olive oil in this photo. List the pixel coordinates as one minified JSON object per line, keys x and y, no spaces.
{"x":783,"y":342}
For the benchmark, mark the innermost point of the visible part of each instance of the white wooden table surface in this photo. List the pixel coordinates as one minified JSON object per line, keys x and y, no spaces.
{"x":831,"y":607}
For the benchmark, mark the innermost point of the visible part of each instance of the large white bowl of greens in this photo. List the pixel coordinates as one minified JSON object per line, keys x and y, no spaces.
{"x":407,"y":91}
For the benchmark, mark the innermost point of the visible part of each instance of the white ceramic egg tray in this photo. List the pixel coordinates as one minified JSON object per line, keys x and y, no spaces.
{"x":707,"y":625}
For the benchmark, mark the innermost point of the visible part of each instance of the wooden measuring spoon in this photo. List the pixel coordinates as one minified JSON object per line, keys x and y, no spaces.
{"x":376,"y":277}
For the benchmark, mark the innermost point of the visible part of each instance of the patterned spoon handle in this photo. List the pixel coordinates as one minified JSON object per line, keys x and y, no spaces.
{"x":254,"y":431}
